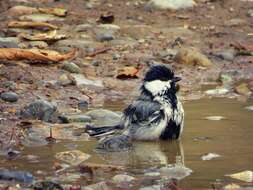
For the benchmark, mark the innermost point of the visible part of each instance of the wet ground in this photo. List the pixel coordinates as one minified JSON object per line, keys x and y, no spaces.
{"x":230,"y":137}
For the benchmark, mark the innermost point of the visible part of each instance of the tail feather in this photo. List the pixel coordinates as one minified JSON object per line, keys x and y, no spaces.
{"x":101,"y":131}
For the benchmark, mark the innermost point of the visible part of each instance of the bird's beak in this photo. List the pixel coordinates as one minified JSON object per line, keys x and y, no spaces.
{"x":176,"y":79}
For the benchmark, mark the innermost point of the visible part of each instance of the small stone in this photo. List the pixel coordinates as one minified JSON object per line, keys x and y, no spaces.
{"x":38,"y":44}
{"x":98,"y":186}
{"x":71,"y":67}
{"x":250,"y":12}
{"x":11,"y":85}
{"x":39,"y":109}
{"x":217,"y":91}
{"x":10,"y":42}
{"x":64,"y":80}
{"x":105,"y":37}
{"x":153,"y":187}
{"x":81,"y":81}
{"x":73,"y":157}
{"x":192,"y":57}
{"x":116,"y":56}
{"x":235,"y":22}
{"x":169,"y":4}
{"x":215,"y":118}
{"x":96,"y":62}
{"x":246,"y":176}
{"x":121,"y":178}
{"x":225,"y":78}
{"x":210,"y":156}
{"x":227,"y":55}
{"x":77,"y":118}
{"x":177,"y":172}
{"x":232,"y":186}
{"x":152,"y":174}
{"x":83,"y":27}
{"x":9,"y":96}
{"x":104,"y":117}
{"x":83,"y":105}
{"x":250,"y":108}
{"x":243,"y":89}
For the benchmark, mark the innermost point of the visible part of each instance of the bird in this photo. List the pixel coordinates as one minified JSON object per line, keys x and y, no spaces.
{"x":157,"y":114}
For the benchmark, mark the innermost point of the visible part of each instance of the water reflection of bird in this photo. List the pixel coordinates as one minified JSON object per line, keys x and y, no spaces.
{"x":156,"y":114}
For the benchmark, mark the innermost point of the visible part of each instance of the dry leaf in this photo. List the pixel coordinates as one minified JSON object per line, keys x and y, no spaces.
{"x":49,"y":36}
{"x":23,"y":24}
{"x":54,"y":11}
{"x":243,"y":176}
{"x":128,"y":72}
{"x":34,"y":55}
{"x":73,"y":157}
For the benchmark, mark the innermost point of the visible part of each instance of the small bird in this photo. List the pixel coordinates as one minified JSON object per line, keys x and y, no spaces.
{"x":156,"y":114}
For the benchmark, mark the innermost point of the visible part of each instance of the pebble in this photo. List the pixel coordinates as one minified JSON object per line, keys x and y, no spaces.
{"x":9,"y":96}
{"x":215,"y":118}
{"x":39,"y":109}
{"x":40,"y":18}
{"x":210,"y":156}
{"x":153,"y":187}
{"x":10,"y":42}
{"x":250,"y":108}
{"x":71,"y":67}
{"x":169,"y":4}
{"x":81,"y":81}
{"x":228,"y":55}
{"x":121,"y":178}
{"x":105,"y":37}
{"x":76,"y":118}
{"x":218,"y":91}
{"x":64,"y":80}
{"x":83,"y":105}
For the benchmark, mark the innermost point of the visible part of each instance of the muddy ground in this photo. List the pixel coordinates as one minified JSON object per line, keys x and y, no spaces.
{"x":219,"y":31}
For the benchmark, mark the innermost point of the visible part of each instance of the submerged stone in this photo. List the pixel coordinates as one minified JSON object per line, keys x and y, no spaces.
{"x":9,"y":97}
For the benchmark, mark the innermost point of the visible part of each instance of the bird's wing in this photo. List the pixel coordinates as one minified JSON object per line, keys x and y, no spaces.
{"x":143,"y":113}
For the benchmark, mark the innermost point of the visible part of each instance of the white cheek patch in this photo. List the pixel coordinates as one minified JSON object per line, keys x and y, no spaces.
{"x":157,"y":87}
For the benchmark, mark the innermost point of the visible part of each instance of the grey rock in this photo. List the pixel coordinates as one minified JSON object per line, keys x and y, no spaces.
{"x":80,"y":118}
{"x":83,"y":27}
{"x":169,"y":4}
{"x":105,"y":37}
{"x":71,"y":67}
{"x":83,"y":105}
{"x":96,"y":62}
{"x":104,"y":117}
{"x":121,"y":178}
{"x":64,"y":80}
{"x":227,"y":55}
{"x":76,"y":43}
{"x":10,"y":42}
{"x":11,"y":85}
{"x":235,"y":22}
{"x":98,"y":186}
{"x":39,"y":109}
{"x":9,"y":96}
{"x":217,"y":91}
{"x":250,"y":12}
{"x":153,"y":187}
{"x":175,"y":171}
{"x":81,"y":81}
{"x":116,"y":56}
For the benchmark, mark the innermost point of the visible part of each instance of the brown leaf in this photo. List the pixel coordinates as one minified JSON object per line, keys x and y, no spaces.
{"x":87,"y":166}
{"x":54,"y":11}
{"x":49,"y":36}
{"x":34,"y":55}
{"x":23,"y":24}
{"x":128,"y":72}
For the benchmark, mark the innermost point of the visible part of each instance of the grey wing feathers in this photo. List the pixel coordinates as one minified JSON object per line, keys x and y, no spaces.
{"x":143,"y":113}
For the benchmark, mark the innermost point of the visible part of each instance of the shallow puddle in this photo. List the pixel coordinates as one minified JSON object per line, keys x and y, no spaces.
{"x":231,"y":137}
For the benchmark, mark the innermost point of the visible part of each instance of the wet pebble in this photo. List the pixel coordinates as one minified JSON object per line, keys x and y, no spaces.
{"x":20,"y":176}
{"x":105,"y":37}
{"x":153,"y":187}
{"x":250,"y":12}
{"x":250,"y":108}
{"x":81,"y":81}
{"x":215,"y":118}
{"x":10,"y":42}
{"x":9,"y":96}
{"x":39,"y":109}
{"x":64,"y":80}
{"x":169,"y":4}
{"x":227,"y":55}
{"x":98,"y":186}
{"x":210,"y":156}
{"x":243,"y":89}
{"x":76,"y":118}
{"x":83,"y":105}
{"x":175,"y":172}
{"x":71,"y":67}
{"x":121,"y":178}
{"x":217,"y":91}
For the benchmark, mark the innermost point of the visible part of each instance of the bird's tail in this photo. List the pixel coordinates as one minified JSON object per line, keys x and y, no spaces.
{"x":101,"y":131}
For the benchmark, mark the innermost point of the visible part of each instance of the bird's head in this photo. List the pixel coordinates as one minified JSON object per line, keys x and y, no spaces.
{"x":160,"y":80}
